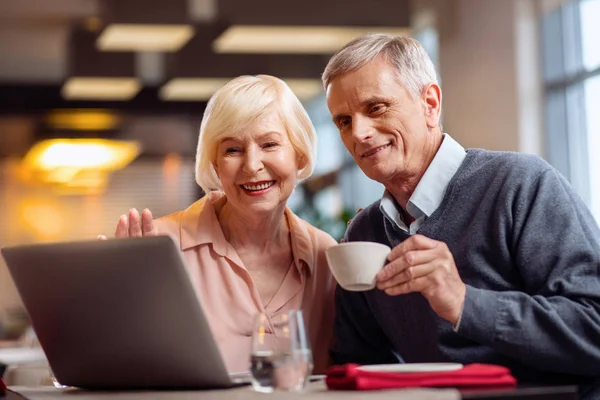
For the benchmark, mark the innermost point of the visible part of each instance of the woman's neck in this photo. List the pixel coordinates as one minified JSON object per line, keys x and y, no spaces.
{"x":258,"y":231}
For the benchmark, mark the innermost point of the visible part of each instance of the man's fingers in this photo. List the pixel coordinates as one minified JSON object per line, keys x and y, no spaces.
{"x":408,"y":274}
{"x":406,"y":262}
{"x":135,"y":223}
{"x":415,"y":242}
{"x":122,"y":227}
{"x":415,"y":285}
{"x":147,"y":225}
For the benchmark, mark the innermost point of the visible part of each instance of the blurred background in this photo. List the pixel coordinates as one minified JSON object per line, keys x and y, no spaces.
{"x":101,"y":100}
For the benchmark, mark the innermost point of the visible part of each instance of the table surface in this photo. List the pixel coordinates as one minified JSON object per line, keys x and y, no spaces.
{"x":315,"y":390}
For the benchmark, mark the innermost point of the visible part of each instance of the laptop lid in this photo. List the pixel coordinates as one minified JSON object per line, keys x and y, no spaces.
{"x":117,"y":314}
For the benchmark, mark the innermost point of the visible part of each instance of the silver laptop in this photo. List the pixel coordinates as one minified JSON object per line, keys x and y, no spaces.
{"x":118,"y":314}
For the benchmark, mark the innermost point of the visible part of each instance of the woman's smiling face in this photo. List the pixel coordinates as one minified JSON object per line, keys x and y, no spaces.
{"x":258,"y":165}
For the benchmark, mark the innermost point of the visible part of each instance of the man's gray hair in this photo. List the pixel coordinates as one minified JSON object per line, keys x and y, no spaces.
{"x":415,"y":68}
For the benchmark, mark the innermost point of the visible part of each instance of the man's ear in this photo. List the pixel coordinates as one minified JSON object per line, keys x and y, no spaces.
{"x":432,"y":101}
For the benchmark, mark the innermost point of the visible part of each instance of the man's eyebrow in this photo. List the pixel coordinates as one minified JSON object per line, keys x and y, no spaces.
{"x":337,"y":117}
{"x":374,"y":100}
{"x":365,"y":103}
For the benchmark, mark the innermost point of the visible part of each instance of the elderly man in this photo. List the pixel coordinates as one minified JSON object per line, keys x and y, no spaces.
{"x":494,"y":258}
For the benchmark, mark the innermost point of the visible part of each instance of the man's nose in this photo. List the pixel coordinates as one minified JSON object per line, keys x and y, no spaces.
{"x":253,"y":161}
{"x":362,"y":130}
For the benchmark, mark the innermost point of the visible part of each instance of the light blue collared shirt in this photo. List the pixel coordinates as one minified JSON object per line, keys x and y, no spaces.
{"x":429,"y":193}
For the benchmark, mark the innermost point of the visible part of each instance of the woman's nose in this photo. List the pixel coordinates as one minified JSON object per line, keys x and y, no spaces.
{"x":253,"y":161}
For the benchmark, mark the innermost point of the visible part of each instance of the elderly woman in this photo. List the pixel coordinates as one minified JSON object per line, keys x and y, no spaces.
{"x":245,"y":250}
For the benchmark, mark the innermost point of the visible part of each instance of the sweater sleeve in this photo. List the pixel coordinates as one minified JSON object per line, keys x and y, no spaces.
{"x":554,"y":324}
{"x":358,"y":337}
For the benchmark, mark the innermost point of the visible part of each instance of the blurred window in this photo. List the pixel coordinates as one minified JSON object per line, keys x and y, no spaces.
{"x":571,"y":67}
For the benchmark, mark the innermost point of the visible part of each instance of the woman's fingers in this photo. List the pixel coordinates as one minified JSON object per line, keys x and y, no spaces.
{"x":122,"y":227}
{"x":135,"y":223}
{"x":147,"y":225}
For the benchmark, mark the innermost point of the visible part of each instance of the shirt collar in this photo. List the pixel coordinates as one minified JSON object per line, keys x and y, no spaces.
{"x":430,"y":190}
{"x":199,"y":225}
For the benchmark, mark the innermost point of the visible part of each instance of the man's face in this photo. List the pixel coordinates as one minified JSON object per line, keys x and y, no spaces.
{"x":389,"y":134}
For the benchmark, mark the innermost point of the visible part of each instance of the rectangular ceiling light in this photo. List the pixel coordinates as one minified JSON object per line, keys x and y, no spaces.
{"x":201,"y":89}
{"x":305,"y":89}
{"x":142,"y":37}
{"x":191,"y":89}
{"x":293,"y":39}
{"x":100,"y":88}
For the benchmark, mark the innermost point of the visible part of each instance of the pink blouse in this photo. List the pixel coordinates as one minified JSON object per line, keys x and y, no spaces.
{"x":228,"y":293}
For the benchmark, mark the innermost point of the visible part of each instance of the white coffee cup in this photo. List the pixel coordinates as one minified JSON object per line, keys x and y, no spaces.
{"x":354,"y":265}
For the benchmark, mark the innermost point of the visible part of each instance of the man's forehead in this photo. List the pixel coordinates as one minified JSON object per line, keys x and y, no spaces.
{"x":353,"y":92}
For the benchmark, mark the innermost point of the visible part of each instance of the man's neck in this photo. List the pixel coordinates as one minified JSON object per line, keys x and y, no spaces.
{"x":403,"y":190}
{"x":403,"y":186}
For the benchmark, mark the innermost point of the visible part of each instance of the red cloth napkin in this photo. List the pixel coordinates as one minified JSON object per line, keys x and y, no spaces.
{"x":348,"y":377}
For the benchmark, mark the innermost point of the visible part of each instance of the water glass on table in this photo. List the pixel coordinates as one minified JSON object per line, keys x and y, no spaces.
{"x":281,"y":358}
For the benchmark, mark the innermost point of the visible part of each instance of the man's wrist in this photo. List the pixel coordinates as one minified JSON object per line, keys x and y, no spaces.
{"x":457,"y":324}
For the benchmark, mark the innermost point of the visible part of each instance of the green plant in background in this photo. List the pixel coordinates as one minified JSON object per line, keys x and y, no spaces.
{"x":336,"y":226}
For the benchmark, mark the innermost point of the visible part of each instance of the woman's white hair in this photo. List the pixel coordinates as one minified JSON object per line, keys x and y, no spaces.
{"x":415,"y":68}
{"x":241,"y":101}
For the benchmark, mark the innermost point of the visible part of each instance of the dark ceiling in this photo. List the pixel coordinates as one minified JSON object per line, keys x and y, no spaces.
{"x":38,"y":43}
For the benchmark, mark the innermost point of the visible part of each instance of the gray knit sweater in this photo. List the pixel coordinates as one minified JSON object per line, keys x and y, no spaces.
{"x":528,"y":250}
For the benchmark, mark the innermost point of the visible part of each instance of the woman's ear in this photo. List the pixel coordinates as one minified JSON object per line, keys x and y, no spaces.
{"x":302,"y":161}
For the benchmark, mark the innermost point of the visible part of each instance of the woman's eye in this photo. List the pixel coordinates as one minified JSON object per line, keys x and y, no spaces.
{"x":230,"y":150}
{"x":270,"y":144}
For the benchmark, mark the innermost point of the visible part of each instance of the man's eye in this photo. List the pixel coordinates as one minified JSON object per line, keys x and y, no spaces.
{"x":343,"y":122}
{"x":230,"y":150}
{"x":376,"y":108}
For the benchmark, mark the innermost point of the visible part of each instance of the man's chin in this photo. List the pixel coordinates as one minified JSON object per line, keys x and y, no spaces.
{"x":375,"y":174}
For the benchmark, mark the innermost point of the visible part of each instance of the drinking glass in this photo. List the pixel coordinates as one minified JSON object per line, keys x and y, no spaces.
{"x":281,"y":358}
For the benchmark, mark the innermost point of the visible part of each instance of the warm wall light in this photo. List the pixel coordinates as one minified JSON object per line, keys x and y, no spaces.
{"x":293,"y":39}
{"x":142,"y":37}
{"x":44,"y":219}
{"x":77,"y":166}
{"x":99,"y":88}
{"x":95,"y":154}
{"x":84,"y":182}
{"x":83,"y":119}
{"x":61,"y":159}
{"x":201,"y":89}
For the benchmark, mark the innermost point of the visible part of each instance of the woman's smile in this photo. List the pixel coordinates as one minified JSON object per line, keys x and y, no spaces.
{"x":257,"y":188}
